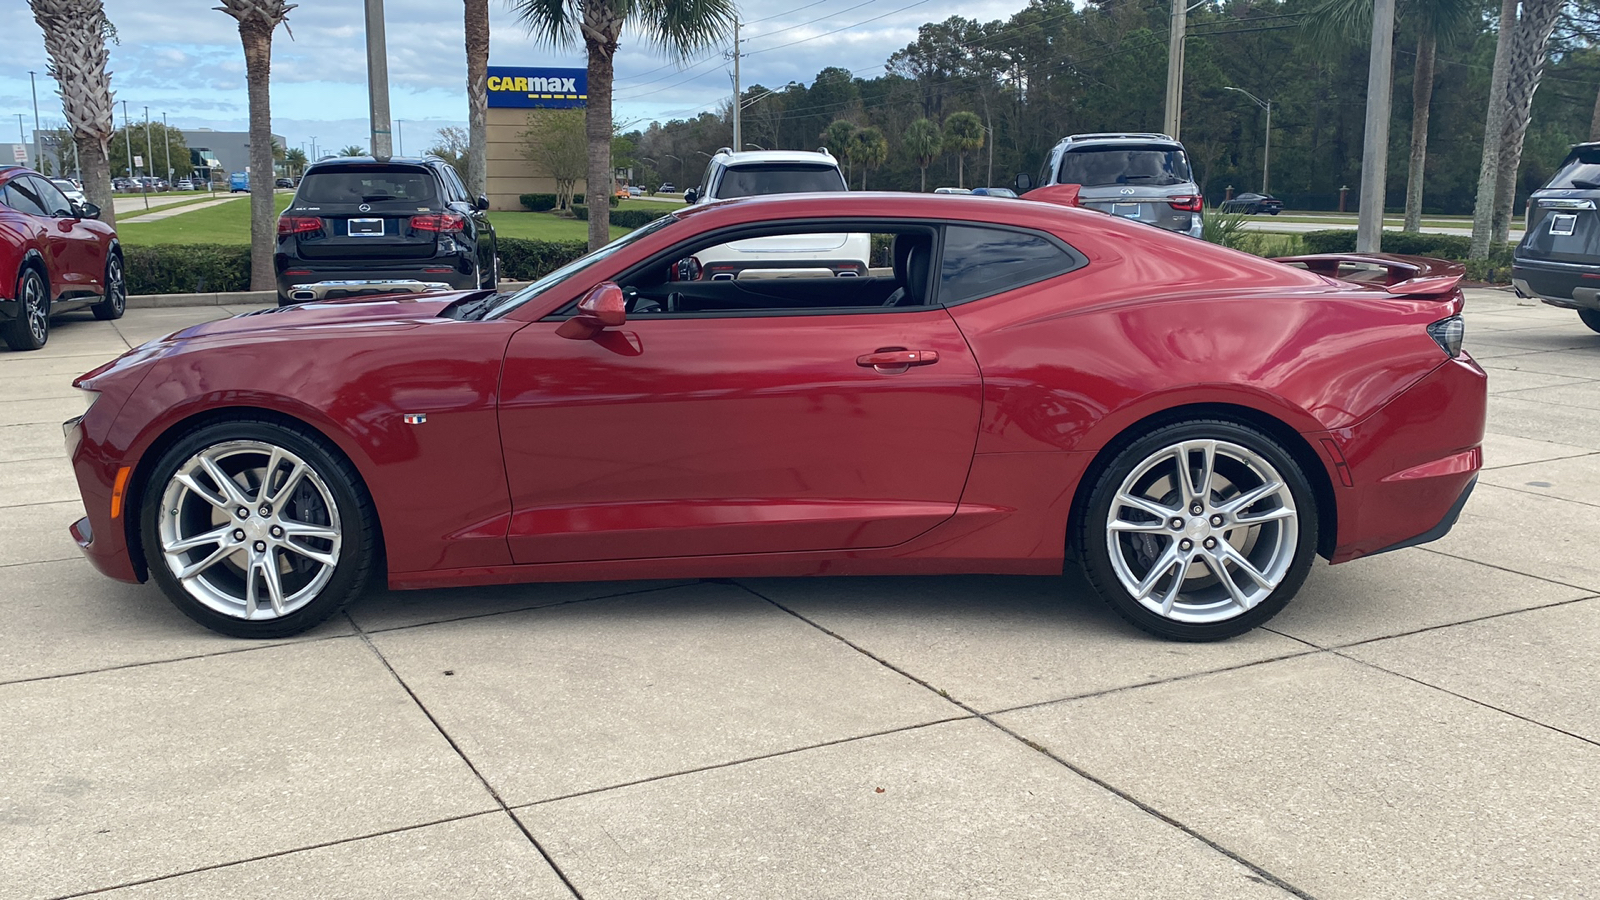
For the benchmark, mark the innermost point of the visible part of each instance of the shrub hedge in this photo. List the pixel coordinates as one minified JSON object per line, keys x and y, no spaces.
{"x":186,"y":268}
{"x":525,"y":260}
{"x":625,"y":218}
{"x":546,"y":202}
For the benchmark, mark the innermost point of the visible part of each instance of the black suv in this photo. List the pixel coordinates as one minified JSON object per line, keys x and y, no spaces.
{"x":1558,"y":260}
{"x":361,"y":226}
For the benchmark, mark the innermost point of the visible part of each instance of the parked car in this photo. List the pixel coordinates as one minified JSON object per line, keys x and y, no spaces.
{"x":71,"y":189}
{"x":635,"y":191}
{"x":1252,"y":203}
{"x":994,"y":192}
{"x":239,"y":181}
{"x":756,"y":173}
{"x":1558,"y":258}
{"x":667,"y":187}
{"x":284,"y":183}
{"x":357,"y":226}
{"x":621,"y":193}
{"x":952,"y":190}
{"x":1135,"y":175}
{"x":54,"y":258}
{"x":1011,"y":392}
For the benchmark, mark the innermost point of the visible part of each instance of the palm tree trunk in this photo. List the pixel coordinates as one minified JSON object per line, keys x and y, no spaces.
{"x":1594,"y":119}
{"x":257,"y":40}
{"x":961,"y":170}
{"x":74,"y":38}
{"x":96,"y":165}
{"x":477,"y":30}
{"x":1529,"y":50}
{"x":601,"y":26}
{"x":1494,"y":123}
{"x":1421,"y":100}
{"x":923,"y":187}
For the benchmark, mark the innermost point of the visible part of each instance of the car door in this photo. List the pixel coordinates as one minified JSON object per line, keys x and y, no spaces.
{"x":729,"y":432}
{"x":481,"y":231}
{"x":74,"y":251}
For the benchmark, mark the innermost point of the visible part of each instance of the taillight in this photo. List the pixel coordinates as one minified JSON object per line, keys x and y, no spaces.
{"x":442,"y":222}
{"x":1447,"y":333}
{"x":1186,"y":204}
{"x":298,"y":225}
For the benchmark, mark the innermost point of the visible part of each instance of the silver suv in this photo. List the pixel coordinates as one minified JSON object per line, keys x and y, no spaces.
{"x":1142,"y":176}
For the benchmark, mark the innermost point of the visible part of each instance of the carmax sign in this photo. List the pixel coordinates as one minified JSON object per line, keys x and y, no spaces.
{"x":535,"y":88}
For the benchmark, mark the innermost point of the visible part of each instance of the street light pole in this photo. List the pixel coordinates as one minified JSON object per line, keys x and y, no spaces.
{"x":378,"y":81}
{"x":38,"y":151}
{"x":150,"y":149}
{"x":167,"y":137}
{"x":1174,"y":109}
{"x":1266,"y":147}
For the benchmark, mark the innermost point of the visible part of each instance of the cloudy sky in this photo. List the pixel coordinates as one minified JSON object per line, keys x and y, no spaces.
{"x":183,"y":58}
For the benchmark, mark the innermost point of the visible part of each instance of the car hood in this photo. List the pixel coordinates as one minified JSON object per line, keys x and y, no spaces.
{"x":393,"y":311}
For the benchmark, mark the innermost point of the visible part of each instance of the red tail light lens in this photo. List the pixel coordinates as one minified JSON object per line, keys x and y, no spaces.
{"x":442,"y":222}
{"x":298,"y":225}
{"x":1186,"y":204}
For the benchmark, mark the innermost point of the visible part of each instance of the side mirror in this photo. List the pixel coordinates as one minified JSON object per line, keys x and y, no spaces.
{"x":601,"y":308}
{"x":686,"y":269}
{"x":90,"y":211}
{"x":690,"y":196}
{"x":1024,"y":182}
{"x":483,"y":202}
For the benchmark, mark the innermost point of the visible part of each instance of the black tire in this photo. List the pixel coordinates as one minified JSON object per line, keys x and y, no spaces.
{"x":356,"y":521}
{"x":1093,"y":542}
{"x":116,"y":297}
{"x":1591,"y":318}
{"x":30,"y":330}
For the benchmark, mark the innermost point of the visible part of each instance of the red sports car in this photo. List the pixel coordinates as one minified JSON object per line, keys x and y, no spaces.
{"x":1013,"y":384}
{"x":54,"y":257}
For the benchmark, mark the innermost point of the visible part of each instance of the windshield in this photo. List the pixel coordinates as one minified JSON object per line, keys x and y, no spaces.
{"x":1580,"y":172}
{"x":778,"y":178}
{"x":505,"y":303}
{"x":1093,"y":166}
{"x":367,"y":184}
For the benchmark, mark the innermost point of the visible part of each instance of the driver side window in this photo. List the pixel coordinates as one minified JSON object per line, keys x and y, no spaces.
{"x":54,"y":202}
{"x":20,"y":197}
{"x":792,"y":272}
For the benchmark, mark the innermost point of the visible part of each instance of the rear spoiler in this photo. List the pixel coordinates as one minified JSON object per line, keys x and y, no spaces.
{"x":1416,"y":276}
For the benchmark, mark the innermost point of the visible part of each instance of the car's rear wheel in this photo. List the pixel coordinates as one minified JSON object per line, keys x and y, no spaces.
{"x":30,"y":330}
{"x":116,"y":298}
{"x":257,"y":529}
{"x":1591,"y":318}
{"x":1199,"y":531}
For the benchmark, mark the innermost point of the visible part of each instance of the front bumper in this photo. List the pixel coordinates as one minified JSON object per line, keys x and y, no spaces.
{"x":1567,"y":285}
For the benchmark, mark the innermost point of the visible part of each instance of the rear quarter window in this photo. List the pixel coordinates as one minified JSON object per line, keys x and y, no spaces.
{"x":1581,"y":172}
{"x":980,"y":262}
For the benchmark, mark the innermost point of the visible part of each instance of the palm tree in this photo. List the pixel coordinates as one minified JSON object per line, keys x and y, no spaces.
{"x":678,"y":27}
{"x":75,"y":34}
{"x":963,"y":133}
{"x":1435,"y":21}
{"x":258,"y":19}
{"x":870,"y":148}
{"x":477,"y":30}
{"x":924,"y":142}
{"x":1520,"y":53}
{"x":837,"y":137}
{"x":295,"y":160}
{"x":353,"y":150}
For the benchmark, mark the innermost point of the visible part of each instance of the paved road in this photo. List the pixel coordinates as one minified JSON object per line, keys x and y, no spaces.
{"x":1420,"y":724}
{"x":159,"y":214}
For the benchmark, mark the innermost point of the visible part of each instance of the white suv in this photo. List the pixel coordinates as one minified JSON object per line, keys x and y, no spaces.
{"x":760,"y":172}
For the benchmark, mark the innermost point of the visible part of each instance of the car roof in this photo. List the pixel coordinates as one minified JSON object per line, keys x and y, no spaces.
{"x":755,"y":157}
{"x":1113,"y":138}
{"x":329,"y":162}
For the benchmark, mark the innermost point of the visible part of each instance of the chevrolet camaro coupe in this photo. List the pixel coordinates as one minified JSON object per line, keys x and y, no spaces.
{"x":1011,"y":385}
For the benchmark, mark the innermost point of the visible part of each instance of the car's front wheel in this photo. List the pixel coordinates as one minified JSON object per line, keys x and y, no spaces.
{"x":116,"y":297}
{"x":1591,"y":318}
{"x":257,"y":529}
{"x":1199,"y":531}
{"x":31,"y":328}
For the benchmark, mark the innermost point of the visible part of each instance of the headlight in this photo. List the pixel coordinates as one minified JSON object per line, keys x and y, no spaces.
{"x":1447,"y":333}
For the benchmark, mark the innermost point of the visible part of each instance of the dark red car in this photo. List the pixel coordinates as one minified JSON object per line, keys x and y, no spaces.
{"x":54,"y":257}
{"x":1014,"y":383}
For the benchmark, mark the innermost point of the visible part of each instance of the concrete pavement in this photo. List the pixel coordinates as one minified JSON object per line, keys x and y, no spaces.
{"x":1420,"y":724}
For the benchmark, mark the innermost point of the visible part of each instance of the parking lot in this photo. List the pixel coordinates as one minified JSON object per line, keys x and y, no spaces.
{"x":1420,"y":724}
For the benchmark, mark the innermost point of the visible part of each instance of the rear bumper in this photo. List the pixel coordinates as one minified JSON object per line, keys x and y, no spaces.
{"x":1567,"y":285}
{"x":445,"y":271}
{"x":1411,"y":464}
{"x":330,"y":290}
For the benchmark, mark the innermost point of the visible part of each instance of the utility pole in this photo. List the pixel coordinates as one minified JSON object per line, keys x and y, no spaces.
{"x":38,"y":151}
{"x":22,"y":132}
{"x":150,"y":151}
{"x":400,"y":133}
{"x":166,"y":136}
{"x":1266,"y":148}
{"x":313,"y":148}
{"x":1174,"y":116}
{"x":378,"y":81}
{"x":1375,"y":146}
{"x":738,"y":95}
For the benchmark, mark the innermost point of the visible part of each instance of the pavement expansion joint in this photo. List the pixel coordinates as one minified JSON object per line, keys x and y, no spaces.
{"x":275,"y":854}
{"x":466,"y":760}
{"x":1588,"y":588}
{"x":1335,"y":648}
{"x":988,"y":718}
{"x":506,"y":612}
{"x":273,"y":645}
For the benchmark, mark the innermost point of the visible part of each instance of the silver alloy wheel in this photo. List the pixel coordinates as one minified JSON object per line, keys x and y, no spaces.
{"x":35,"y":308}
{"x":1202,"y":531}
{"x":116,"y":289}
{"x":249,"y":529}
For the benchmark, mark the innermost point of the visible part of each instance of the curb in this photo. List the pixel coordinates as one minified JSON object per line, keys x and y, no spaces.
{"x":237,"y":298}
